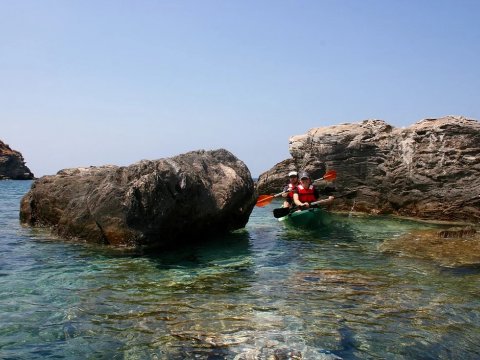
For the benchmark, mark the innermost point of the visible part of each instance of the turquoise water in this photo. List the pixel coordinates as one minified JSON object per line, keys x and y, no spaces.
{"x":266,"y":292}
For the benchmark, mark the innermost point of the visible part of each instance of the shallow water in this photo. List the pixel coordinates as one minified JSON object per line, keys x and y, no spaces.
{"x":268,"y":290}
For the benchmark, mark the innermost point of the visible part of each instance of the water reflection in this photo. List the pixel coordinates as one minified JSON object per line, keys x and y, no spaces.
{"x":220,"y":249}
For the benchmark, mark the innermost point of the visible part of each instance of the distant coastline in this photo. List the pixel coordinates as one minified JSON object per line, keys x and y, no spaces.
{"x":12,"y":164}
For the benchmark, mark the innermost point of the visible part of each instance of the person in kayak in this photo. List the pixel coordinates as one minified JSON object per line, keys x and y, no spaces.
{"x":289,"y":189}
{"x":306,"y":192}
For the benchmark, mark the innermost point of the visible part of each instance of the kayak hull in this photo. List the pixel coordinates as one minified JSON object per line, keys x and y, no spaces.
{"x":310,"y":218}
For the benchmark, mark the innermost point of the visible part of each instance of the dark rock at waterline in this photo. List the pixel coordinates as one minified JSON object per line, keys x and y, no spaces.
{"x":12,"y":164}
{"x":429,"y":170}
{"x":147,"y":204}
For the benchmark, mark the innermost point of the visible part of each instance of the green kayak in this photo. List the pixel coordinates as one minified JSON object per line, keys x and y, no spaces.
{"x":310,"y":218}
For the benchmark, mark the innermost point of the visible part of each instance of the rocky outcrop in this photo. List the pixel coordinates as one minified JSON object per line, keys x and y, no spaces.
{"x":429,"y":170}
{"x":148,"y":204}
{"x":12,"y":165}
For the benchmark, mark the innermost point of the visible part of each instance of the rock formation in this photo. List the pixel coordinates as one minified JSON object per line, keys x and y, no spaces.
{"x":12,"y":165}
{"x":147,"y":204}
{"x":429,"y":170}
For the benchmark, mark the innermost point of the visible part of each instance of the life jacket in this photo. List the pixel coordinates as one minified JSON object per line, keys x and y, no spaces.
{"x":306,"y":195}
{"x":291,"y":188}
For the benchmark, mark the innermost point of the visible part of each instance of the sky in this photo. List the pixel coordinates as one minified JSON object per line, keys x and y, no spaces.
{"x":100,"y":82}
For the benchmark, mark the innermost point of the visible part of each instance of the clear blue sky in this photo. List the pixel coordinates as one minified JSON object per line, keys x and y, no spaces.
{"x":113,"y":82}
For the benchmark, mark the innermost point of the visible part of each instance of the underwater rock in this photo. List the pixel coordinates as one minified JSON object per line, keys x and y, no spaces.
{"x":461,"y":248}
{"x":457,"y":232}
{"x":287,"y":354}
{"x":334,"y":281}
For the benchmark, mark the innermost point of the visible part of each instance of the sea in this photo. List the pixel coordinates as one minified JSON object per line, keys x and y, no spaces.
{"x":268,"y":291}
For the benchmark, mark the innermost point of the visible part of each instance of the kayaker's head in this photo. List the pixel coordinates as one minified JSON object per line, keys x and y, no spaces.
{"x":293,"y":176}
{"x":304,"y":176}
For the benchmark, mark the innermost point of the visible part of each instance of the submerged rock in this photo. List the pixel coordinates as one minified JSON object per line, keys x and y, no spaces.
{"x":335,"y":282}
{"x":457,"y":232}
{"x":459,"y":247}
{"x":12,"y":165}
{"x":147,"y":204}
{"x":430,"y":170}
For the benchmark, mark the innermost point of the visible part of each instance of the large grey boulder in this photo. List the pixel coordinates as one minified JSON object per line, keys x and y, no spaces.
{"x":429,"y":170}
{"x":12,"y":165}
{"x":147,"y":204}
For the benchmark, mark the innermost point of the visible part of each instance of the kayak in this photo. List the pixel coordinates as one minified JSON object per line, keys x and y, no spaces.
{"x":309,"y":218}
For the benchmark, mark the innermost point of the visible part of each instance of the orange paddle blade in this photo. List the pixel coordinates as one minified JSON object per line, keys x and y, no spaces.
{"x":264,"y":200}
{"x":330,"y":175}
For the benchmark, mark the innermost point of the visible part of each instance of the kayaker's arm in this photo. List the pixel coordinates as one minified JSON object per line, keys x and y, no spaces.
{"x":297,"y":201}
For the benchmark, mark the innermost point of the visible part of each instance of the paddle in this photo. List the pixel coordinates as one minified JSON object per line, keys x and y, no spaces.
{"x":264,"y":200}
{"x":281,"y":212}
